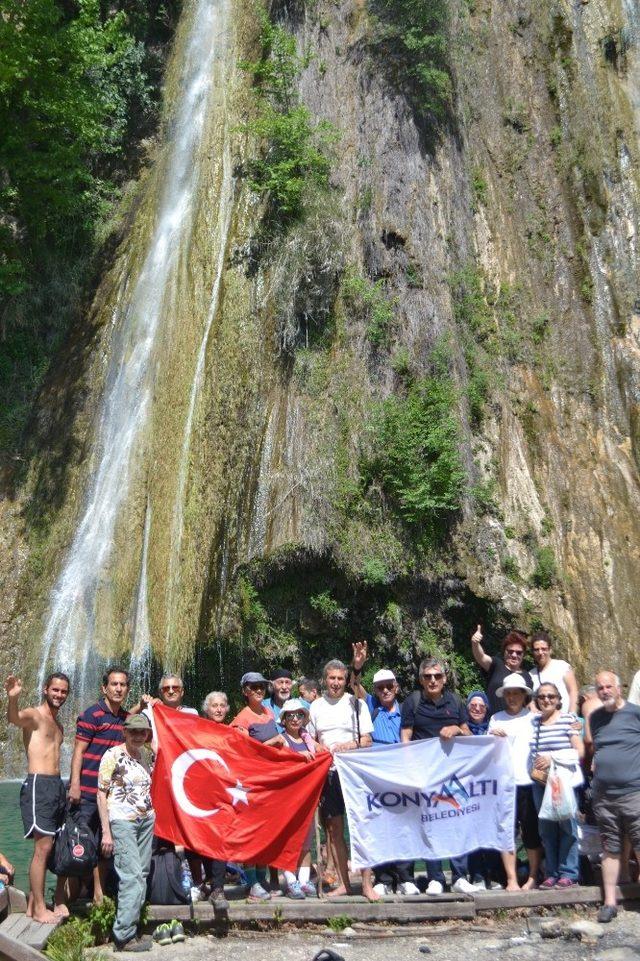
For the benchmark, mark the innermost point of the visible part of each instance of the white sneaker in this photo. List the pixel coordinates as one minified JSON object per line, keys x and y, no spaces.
{"x":408,"y":887}
{"x":496,"y":886}
{"x":462,"y":886}
{"x":383,"y":890}
{"x":479,"y":885}
{"x":434,"y":887}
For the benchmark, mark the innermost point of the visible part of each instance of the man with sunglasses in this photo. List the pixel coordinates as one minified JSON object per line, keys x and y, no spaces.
{"x":497,"y":669}
{"x":435,"y":712}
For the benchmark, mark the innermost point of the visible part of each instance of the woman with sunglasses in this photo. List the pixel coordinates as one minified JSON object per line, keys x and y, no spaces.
{"x":248,"y":721}
{"x":496,"y":669}
{"x":554,"y":738}
{"x":294,"y":717}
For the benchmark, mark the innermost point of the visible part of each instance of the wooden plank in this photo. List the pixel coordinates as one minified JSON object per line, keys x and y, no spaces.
{"x":28,"y":931}
{"x":17,"y":900}
{"x":316,"y":911}
{"x":17,"y":951}
{"x":15,"y":924}
{"x":580,"y":894}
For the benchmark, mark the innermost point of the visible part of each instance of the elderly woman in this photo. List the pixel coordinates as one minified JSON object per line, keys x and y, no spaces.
{"x":215,"y":706}
{"x":127,"y":819}
{"x":516,"y":724}
{"x":484,"y":864}
{"x":294,"y":717}
{"x":554,"y":738}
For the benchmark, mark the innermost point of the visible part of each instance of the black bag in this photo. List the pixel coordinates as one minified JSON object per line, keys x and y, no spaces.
{"x":75,"y":849}
{"x":164,"y":883}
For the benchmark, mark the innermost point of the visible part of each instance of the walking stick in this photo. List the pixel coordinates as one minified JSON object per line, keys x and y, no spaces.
{"x":319,"y":866}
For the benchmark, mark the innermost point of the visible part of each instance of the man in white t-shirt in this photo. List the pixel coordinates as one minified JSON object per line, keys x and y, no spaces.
{"x":341,"y":722}
{"x":551,"y":670}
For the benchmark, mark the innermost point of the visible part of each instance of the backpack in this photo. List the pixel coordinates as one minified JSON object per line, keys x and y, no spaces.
{"x":75,"y":849}
{"x":164,"y":883}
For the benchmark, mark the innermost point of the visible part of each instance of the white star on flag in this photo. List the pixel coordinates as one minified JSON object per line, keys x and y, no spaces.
{"x":238,"y":793}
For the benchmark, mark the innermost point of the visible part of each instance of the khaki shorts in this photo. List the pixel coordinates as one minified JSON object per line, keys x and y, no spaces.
{"x":617,"y":817}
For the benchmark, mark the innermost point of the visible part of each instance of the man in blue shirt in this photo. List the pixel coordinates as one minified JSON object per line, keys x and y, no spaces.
{"x":384,"y":708}
{"x":281,"y":684}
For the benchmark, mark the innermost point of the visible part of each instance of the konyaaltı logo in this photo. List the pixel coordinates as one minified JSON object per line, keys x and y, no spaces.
{"x":459,"y":798}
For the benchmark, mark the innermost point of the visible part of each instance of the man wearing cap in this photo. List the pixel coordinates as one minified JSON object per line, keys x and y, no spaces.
{"x":127,"y":819}
{"x":386,"y":716}
{"x":281,"y":684}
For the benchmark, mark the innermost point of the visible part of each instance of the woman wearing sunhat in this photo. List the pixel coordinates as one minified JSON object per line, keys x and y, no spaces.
{"x":516,"y":724}
{"x":127,"y":818}
{"x":294,"y":717}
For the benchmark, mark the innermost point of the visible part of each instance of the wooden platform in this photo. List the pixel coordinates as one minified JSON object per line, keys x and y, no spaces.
{"x":21,"y":938}
{"x":401,"y":910}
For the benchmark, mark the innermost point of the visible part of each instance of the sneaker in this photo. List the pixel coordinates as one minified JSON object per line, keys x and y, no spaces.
{"x":196,"y":894}
{"x":383,"y":890}
{"x":607,"y":913}
{"x":462,"y":886}
{"x":162,"y":934}
{"x":548,"y":883}
{"x":309,"y":890}
{"x":408,"y":888}
{"x":177,"y":932}
{"x":435,"y":888}
{"x":258,"y":893}
{"x":566,"y":883}
{"x":295,"y":892}
{"x":218,"y":900}
{"x":480,"y":885}
{"x":496,"y":886}
{"x":135,"y":945}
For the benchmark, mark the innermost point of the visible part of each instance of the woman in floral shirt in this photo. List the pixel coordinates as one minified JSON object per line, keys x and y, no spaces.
{"x":127,"y":818}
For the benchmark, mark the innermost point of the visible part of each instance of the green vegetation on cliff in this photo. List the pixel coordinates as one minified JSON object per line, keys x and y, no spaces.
{"x":292,"y":154}
{"x":78,"y":88}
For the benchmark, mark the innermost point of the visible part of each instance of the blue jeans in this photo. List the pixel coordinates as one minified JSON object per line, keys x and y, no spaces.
{"x":458,"y":870}
{"x":560,"y":842}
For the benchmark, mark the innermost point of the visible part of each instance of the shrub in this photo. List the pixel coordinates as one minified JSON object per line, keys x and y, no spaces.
{"x":545,"y":572}
{"x":68,"y":942}
{"x":411,"y":38}
{"x":416,"y":457}
{"x":293,"y":154}
{"x":369,"y":302}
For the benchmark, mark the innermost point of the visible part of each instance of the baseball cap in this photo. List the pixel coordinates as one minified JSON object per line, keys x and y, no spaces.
{"x":253,"y":677}
{"x":383,"y":675}
{"x":137,"y":722}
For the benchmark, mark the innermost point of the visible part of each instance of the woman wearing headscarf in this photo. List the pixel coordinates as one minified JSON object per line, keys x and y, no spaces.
{"x":484,"y":864}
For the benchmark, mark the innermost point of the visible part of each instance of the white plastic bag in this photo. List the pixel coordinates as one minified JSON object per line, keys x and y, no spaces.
{"x":559,"y":800}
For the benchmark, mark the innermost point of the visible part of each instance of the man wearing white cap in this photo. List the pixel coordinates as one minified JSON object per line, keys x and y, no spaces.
{"x":384,"y":708}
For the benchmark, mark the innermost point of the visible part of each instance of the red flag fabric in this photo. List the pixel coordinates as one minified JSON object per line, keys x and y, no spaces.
{"x":220,"y":793}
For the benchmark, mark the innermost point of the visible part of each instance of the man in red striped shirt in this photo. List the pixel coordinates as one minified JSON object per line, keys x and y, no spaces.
{"x":98,"y":728}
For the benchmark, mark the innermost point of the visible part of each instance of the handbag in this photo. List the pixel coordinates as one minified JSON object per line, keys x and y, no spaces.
{"x":537,"y":774}
{"x":559,"y":800}
{"x":75,"y":849}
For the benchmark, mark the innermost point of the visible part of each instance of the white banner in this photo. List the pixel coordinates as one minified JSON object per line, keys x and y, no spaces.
{"x":428,"y":799}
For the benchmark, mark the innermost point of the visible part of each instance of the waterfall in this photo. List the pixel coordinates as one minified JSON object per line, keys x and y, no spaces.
{"x":119,"y":434}
{"x":177,"y":529}
{"x":141,"y":651}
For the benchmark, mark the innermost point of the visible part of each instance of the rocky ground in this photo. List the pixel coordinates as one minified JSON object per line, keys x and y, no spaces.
{"x":572,"y":936}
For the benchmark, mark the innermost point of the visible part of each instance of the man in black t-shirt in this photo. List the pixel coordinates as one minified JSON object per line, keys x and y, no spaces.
{"x":436,"y":713}
{"x":496,"y":669}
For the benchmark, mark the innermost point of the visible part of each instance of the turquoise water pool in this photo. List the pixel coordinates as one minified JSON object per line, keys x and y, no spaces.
{"x":12,"y":843}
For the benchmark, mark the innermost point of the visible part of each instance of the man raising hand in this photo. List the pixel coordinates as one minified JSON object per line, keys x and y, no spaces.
{"x":42,"y":795}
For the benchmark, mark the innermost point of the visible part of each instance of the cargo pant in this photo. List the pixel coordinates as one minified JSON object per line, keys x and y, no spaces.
{"x":132,"y":842}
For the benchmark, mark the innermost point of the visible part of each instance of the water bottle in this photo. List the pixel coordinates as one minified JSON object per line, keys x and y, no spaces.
{"x":185,"y":878}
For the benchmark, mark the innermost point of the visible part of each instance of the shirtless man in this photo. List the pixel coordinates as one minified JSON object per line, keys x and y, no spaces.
{"x":43,"y":795}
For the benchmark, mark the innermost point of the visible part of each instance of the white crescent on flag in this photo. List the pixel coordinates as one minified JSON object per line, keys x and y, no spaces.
{"x":179,"y":770}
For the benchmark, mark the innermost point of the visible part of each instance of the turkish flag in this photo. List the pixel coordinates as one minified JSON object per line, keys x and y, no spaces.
{"x":222,"y":794}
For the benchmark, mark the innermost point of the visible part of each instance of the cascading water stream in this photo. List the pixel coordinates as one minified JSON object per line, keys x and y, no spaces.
{"x":177,"y":530}
{"x":127,"y":400}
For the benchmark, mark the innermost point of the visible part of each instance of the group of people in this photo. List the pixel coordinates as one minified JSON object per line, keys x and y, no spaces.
{"x":593,"y":734}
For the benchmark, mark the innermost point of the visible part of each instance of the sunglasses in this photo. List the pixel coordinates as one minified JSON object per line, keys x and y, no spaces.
{"x":298,"y":714}
{"x":386,"y":686}
{"x":433,"y":677}
{"x":172,"y":687}
{"x":256,"y":687}
{"x":547,"y":697}
{"x":515,"y":650}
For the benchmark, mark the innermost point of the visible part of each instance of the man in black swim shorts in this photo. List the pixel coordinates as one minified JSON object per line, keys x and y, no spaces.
{"x":42,"y":796}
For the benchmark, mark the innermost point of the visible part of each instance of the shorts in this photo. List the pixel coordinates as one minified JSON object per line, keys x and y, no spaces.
{"x":43,"y":800}
{"x":331,"y":800}
{"x":527,"y":817}
{"x":617,"y":816}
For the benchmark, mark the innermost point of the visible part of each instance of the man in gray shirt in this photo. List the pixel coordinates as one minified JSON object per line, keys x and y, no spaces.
{"x":612,"y":733}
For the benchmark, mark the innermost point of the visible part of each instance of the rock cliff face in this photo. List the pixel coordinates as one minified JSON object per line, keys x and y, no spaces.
{"x":479,"y":276}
